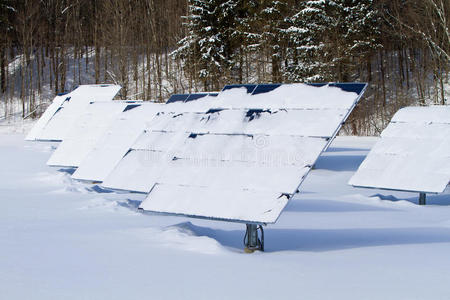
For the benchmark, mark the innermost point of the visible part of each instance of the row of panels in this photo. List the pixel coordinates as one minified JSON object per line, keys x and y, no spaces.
{"x":251,"y":151}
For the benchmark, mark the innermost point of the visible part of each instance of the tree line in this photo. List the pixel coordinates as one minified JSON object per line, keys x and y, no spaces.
{"x":154,"y":48}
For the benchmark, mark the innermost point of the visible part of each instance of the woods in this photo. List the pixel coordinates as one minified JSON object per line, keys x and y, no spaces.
{"x":154,"y":48}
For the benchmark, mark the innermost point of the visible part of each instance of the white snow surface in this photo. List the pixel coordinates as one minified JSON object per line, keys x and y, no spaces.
{"x":61,"y":239}
{"x":413,"y":153}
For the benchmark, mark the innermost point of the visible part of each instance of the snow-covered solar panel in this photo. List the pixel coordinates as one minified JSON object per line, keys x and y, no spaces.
{"x":413,"y":153}
{"x":242,"y":163}
{"x":250,"y":87}
{"x":87,"y":129}
{"x":59,"y":117}
{"x":115,"y":142}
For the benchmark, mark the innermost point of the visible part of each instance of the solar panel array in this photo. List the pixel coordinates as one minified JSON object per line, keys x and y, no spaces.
{"x":413,"y":153}
{"x":236,"y":157}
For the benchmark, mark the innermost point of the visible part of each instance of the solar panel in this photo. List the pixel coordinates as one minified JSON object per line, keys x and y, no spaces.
{"x":115,"y":142}
{"x":250,"y":87}
{"x":59,"y":117}
{"x":177,"y":98}
{"x":244,"y":164}
{"x":413,"y":153}
{"x":83,"y":135}
{"x":265,"y":88}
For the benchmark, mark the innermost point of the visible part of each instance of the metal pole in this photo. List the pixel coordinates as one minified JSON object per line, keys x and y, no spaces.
{"x":422,"y":198}
{"x":251,"y":240}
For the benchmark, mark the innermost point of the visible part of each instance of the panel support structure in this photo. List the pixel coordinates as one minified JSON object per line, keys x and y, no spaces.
{"x":252,"y":241}
{"x":422,"y":199}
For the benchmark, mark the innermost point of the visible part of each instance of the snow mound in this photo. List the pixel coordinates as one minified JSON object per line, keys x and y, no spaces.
{"x":184,"y":236}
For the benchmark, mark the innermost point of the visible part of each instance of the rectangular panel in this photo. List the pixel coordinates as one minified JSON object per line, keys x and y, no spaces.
{"x":82,"y":137}
{"x":247,"y":153}
{"x":115,"y":143}
{"x":413,"y":153}
{"x":221,"y":204}
{"x":39,"y":126}
{"x":72,"y":107}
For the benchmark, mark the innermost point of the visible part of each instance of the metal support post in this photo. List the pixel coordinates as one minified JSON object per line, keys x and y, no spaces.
{"x":422,"y":199}
{"x":252,"y":241}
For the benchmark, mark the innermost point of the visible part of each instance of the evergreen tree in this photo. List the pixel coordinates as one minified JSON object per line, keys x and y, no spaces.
{"x":207,"y":47}
{"x":329,"y":36}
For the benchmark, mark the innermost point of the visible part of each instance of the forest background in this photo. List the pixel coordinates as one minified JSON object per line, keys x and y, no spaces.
{"x":154,"y":48}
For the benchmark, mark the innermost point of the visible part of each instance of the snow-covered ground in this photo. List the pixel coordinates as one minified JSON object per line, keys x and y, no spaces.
{"x":60,"y":239}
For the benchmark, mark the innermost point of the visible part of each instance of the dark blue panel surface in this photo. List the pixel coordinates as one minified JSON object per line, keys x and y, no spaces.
{"x":213,"y":94}
{"x":196,"y":96}
{"x":265,"y":88}
{"x":348,"y":87}
{"x":177,"y":97}
{"x":250,"y":87}
{"x":131,"y":106}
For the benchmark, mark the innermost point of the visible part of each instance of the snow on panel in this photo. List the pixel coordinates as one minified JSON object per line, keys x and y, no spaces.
{"x":262,"y":149}
{"x":281,"y":178}
{"x":45,"y":118}
{"x":72,"y":107}
{"x":88,"y":128}
{"x":144,"y":162}
{"x":320,"y":123}
{"x":137,"y":171}
{"x":115,"y":143}
{"x":216,"y":168}
{"x":288,"y":96}
{"x":222,"y":204}
{"x":413,"y":153}
{"x":434,"y":114}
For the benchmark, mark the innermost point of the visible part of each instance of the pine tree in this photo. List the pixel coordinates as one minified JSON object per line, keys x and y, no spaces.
{"x":328,"y":37}
{"x":207,"y":47}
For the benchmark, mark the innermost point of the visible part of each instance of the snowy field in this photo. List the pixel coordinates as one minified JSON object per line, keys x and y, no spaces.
{"x":61,"y":239}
